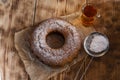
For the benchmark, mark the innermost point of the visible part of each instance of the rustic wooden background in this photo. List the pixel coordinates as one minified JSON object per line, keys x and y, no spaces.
{"x":17,"y":15}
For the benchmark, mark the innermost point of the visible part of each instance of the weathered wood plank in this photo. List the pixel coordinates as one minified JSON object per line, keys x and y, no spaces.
{"x":22,"y":14}
{"x":55,"y":8}
{"x":13,"y":17}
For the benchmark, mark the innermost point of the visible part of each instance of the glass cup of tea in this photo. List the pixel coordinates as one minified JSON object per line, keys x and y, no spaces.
{"x":89,"y":12}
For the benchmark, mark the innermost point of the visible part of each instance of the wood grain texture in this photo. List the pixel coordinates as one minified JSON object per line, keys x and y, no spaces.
{"x":22,"y":14}
{"x":16,"y":15}
{"x":11,"y":20}
{"x":47,"y":9}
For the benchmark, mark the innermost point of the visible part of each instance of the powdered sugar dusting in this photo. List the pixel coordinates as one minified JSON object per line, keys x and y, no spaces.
{"x":99,"y":43}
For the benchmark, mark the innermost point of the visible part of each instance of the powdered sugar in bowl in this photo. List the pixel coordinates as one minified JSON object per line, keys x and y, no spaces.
{"x":96,"y":44}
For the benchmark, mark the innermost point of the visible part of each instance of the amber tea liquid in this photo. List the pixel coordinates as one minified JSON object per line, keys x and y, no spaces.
{"x":88,"y":13}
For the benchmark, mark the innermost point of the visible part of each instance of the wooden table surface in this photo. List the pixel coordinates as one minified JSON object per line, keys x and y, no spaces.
{"x":18,"y":15}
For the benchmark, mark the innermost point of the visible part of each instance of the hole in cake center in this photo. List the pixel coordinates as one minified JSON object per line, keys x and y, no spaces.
{"x":55,"y":40}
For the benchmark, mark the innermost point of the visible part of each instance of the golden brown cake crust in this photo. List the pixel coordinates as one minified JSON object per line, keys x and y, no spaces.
{"x":60,"y":56}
